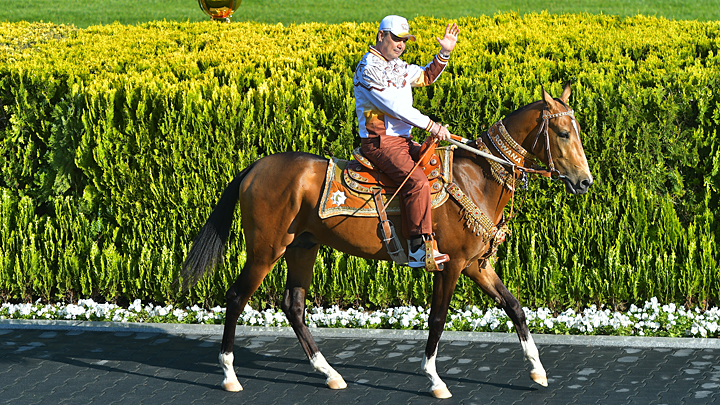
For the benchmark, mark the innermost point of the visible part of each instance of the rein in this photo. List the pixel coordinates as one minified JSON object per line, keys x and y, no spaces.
{"x":422,"y":158}
{"x":508,"y":146}
{"x":512,"y":155}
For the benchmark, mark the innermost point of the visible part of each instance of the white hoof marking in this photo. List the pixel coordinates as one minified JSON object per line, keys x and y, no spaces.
{"x":442,"y":393}
{"x":230,"y":382}
{"x":232,"y":386}
{"x":438,"y":389}
{"x":336,"y":384}
{"x":334,"y":379}
{"x":540,"y":378}
{"x":533,"y":356}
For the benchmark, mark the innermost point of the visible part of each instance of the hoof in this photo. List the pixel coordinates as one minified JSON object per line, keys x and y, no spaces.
{"x":540,"y":378}
{"x":336,"y":384}
{"x":441,"y":393}
{"x":232,"y":386}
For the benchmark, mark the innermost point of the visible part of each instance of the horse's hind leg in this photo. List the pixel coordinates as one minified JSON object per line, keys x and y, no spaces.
{"x":300,"y":261}
{"x":237,"y":297}
{"x":484,"y":276}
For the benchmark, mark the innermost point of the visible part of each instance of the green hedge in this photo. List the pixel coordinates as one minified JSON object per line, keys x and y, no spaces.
{"x":116,"y":141}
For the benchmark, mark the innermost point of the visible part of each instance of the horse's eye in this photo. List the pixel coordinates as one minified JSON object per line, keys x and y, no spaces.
{"x":564,"y":134}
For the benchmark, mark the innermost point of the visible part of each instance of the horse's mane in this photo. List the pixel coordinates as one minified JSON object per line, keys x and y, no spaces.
{"x":532,"y":106}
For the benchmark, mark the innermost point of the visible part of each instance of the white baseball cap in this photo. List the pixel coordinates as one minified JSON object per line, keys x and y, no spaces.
{"x":397,"y":25}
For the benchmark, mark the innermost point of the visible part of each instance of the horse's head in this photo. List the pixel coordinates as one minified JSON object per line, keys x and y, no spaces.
{"x":558,"y":144}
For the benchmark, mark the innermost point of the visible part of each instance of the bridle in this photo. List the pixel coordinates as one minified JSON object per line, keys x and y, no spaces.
{"x":543,"y":130}
{"x":510,"y":147}
{"x":514,"y":155}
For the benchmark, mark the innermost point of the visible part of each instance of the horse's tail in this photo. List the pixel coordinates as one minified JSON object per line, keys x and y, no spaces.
{"x":209,"y":245}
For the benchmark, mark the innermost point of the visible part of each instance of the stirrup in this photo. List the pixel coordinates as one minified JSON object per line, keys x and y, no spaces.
{"x":432,"y":262}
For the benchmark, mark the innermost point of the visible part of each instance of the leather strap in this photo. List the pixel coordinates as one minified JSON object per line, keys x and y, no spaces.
{"x":387,"y":230}
{"x":478,"y":222}
{"x":384,"y":222}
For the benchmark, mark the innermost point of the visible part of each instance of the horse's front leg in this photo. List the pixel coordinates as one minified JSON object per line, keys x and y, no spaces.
{"x":443,"y":286}
{"x":484,"y":276}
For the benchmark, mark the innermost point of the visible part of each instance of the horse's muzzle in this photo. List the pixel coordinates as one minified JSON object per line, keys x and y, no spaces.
{"x":580,"y":186}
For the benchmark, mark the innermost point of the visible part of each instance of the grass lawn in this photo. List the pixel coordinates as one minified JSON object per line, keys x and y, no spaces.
{"x":83,"y":13}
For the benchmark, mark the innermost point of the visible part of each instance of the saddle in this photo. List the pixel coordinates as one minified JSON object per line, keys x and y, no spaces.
{"x":358,"y":188}
{"x":349,"y":185}
{"x":355,"y":188}
{"x":361,"y":176}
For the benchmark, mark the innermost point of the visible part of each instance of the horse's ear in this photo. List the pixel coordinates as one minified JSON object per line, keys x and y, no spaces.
{"x":566,"y":93}
{"x":547,"y":98}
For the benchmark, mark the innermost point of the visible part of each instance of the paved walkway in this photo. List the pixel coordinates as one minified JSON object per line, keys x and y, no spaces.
{"x":102,"y":363}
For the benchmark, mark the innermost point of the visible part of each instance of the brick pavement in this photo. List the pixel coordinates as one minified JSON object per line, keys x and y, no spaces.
{"x":75,"y":365}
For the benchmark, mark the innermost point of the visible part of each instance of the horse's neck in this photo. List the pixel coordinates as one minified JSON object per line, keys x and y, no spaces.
{"x":523,"y":125}
{"x":473,"y":173}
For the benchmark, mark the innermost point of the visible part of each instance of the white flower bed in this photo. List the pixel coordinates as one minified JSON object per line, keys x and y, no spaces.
{"x":653,"y":319}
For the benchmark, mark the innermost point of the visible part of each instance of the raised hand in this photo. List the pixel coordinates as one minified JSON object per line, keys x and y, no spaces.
{"x":447,"y":43}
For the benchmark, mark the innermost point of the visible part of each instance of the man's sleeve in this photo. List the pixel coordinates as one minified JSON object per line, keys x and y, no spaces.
{"x":425,"y":76}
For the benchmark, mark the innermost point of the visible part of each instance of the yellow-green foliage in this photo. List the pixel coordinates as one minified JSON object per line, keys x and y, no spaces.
{"x":116,"y":141}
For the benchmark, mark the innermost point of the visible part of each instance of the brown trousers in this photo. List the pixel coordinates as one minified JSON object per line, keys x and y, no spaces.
{"x":396,"y":156}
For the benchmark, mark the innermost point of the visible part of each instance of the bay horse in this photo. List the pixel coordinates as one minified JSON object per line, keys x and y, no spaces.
{"x":279,"y":197}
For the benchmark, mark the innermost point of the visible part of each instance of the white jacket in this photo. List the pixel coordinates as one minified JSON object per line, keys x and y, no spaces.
{"x":383,"y":94}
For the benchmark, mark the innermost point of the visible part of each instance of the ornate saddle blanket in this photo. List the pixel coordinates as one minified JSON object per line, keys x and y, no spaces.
{"x":349,"y":185}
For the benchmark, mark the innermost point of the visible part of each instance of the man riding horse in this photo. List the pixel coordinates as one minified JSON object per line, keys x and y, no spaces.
{"x":281,"y":198}
{"x":384,"y":107}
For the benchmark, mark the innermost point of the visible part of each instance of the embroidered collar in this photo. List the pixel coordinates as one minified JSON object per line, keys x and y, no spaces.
{"x":377,"y":53}
{"x":507,"y":146}
{"x":502,"y":176}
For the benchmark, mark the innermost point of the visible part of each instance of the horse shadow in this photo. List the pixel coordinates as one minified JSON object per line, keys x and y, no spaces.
{"x":192,"y":359}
